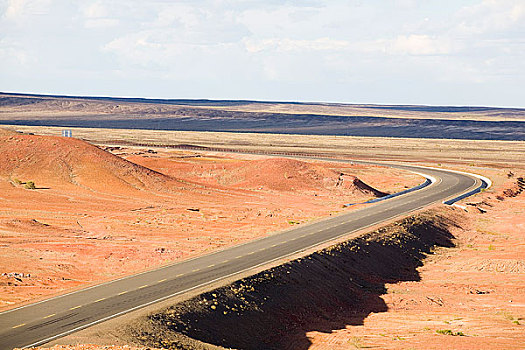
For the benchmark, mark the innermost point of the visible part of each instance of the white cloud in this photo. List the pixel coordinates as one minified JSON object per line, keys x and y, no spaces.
{"x":492,"y":17}
{"x":180,"y":13}
{"x":101,"y":23}
{"x":19,"y":9}
{"x":420,"y":45}
{"x":14,"y":9}
{"x":95,"y":10}
{"x":277,"y":44}
{"x":97,"y":15}
{"x":13,"y":54}
{"x":319,"y":49}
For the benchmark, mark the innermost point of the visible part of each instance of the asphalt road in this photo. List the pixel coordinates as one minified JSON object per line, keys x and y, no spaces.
{"x":44,"y":321}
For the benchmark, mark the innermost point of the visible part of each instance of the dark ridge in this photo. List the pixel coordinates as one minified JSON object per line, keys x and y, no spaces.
{"x":189,"y":102}
{"x":211,"y":102}
{"x":442,"y":109}
{"x":305,"y":124}
{"x":17,"y":101}
{"x":187,"y":117}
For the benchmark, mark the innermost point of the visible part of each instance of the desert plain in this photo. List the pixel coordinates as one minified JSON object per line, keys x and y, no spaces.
{"x":102,"y":213}
{"x":113,"y":202}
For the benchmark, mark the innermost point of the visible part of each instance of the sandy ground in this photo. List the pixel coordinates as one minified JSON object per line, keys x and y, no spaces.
{"x":475,"y":155}
{"x":469,"y":297}
{"x":473,"y":294}
{"x":98,"y":347}
{"x":95,"y":216}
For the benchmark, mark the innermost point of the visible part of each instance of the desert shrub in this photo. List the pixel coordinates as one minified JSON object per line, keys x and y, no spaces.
{"x":30,"y":185}
{"x":449,"y":332}
{"x":16,"y":181}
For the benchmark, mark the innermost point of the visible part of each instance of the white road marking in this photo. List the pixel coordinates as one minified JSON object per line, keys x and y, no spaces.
{"x":43,"y":341}
{"x":220,"y":278}
{"x":249,"y":242}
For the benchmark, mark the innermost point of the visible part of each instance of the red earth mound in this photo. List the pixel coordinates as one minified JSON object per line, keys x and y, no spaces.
{"x":57,"y":162}
{"x":274,"y":174}
{"x":283,"y":174}
{"x":279,"y":174}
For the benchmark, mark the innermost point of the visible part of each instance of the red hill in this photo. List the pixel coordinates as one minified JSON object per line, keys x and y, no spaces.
{"x":57,"y":161}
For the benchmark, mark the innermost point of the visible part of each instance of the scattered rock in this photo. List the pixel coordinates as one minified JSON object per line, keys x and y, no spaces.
{"x":270,"y":309}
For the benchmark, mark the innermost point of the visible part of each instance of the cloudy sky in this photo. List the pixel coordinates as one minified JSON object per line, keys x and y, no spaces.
{"x":440,"y":52}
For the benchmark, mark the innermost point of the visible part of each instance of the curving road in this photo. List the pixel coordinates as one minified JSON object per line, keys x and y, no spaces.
{"x":44,"y":321}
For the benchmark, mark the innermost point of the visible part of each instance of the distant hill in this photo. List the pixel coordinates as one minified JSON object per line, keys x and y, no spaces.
{"x":455,"y":122}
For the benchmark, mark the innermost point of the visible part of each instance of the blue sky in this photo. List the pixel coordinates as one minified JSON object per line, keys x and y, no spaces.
{"x":438,"y":52}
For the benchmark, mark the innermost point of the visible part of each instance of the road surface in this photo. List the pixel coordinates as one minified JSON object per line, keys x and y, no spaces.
{"x":38,"y":323}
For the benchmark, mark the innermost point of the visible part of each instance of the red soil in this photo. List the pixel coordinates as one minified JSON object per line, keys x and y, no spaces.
{"x":469,"y":297}
{"x":61,"y":162}
{"x":274,"y":174}
{"x":95,"y":216}
{"x":94,"y":347}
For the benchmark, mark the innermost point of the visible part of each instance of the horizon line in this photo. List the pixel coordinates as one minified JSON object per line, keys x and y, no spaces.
{"x":150,"y":99}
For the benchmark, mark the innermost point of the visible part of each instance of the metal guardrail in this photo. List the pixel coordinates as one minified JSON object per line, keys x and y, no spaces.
{"x":483,"y":186}
{"x":415,"y":188}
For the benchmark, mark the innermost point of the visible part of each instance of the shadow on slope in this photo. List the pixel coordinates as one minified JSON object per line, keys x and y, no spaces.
{"x":324,"y":291}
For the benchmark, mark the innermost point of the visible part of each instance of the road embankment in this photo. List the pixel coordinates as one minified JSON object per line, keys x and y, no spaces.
{"x":324,"y":291}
